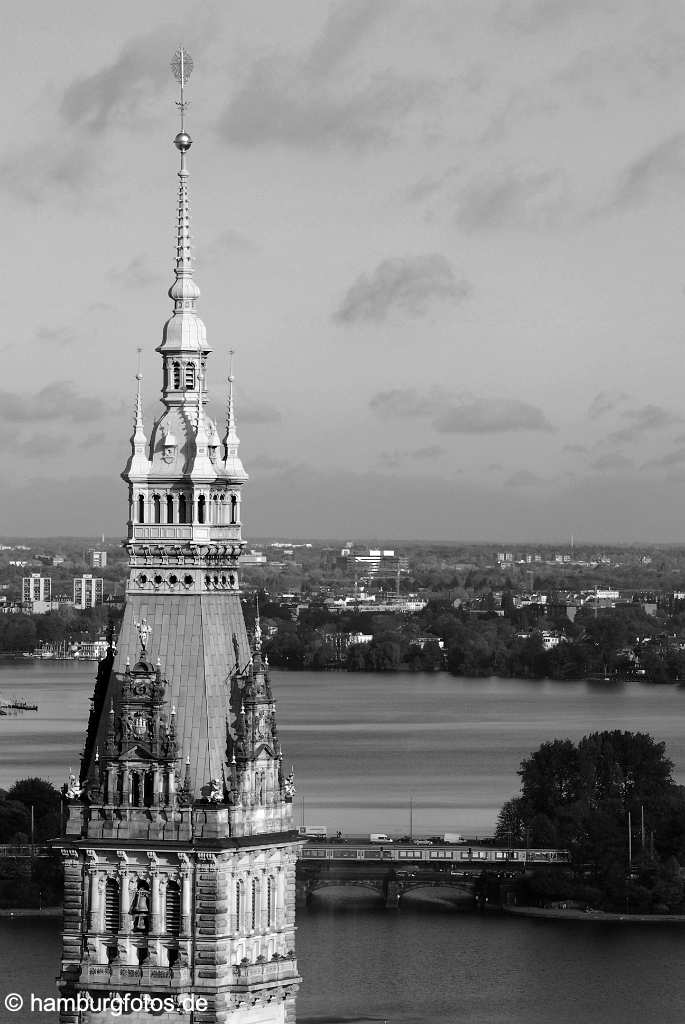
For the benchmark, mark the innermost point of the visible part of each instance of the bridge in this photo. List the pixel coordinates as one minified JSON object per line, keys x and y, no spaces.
{"x":391,"y":870}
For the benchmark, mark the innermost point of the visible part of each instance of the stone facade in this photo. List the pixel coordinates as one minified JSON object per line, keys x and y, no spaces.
{"x":179,"y":851}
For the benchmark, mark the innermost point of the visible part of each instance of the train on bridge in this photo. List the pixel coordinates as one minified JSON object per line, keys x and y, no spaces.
{"x":435,"y":855}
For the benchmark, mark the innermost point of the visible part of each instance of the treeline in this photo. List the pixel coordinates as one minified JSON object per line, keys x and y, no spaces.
{"x":483,"y":644}
{"x":19,"y":633}
{"x":612,"y":802}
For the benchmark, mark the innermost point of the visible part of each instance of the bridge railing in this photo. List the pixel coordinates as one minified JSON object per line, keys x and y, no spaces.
{"x":21,"y":850}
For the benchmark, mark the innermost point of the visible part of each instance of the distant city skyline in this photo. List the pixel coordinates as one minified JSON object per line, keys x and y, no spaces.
{"x":445,"y":239}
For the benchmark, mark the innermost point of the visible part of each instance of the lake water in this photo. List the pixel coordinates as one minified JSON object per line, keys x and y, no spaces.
{"x":364,"y":744}
{"x":361,"y":745}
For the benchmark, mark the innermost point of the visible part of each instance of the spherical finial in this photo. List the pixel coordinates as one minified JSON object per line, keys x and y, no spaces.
{"x":183,"y":142}
{"x":139,"y":376}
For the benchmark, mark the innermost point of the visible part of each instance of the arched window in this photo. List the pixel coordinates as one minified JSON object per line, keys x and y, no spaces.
{"x":253,"y":907}
{"x":169,"y":509}
{"x":234,"y":510}
{"x":157,"y":508}
{"x":141,"y":508}
{"x":177,"y":376}
{"x":215,"y":509}
{"x":190,"y":376}
{"x":201,"y":509}
{"x":182,"y":509}
{"x":111,"y":905}
{"x":172,"y":921}
{"x":270,"y":901}
{"x":238,"y":905}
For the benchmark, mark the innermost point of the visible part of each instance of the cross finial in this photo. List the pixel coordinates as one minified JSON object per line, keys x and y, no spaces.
{"x":182,"y":66}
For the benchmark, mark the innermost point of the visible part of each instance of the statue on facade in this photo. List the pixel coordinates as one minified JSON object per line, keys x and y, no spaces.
{"x":216,"y":792}
{"x":74,"y":790}
{"x":144,"y":633}
{"x":289,"y":784}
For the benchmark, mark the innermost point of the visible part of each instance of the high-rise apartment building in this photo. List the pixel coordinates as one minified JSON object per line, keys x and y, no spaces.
{"x":88,"y":591}
{"x":36,"y":593}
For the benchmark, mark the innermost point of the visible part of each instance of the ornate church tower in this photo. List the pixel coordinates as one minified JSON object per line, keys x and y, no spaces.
{"x":179,"y":851}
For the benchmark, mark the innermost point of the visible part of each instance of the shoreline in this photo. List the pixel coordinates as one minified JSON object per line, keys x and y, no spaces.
{"x":554,"y":914}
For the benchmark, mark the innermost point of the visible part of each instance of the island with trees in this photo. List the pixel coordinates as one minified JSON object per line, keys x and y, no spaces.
{"x":612,"y":802}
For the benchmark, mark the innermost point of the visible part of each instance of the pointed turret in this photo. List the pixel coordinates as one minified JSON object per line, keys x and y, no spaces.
{"x":232,"y":464}
{"x":138,"y":465}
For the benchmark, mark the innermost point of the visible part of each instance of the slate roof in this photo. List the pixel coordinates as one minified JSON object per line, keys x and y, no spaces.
{"x":192,"y":634}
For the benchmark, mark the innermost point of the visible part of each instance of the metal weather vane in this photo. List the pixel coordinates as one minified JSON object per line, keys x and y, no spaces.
{"x":182,"y":66}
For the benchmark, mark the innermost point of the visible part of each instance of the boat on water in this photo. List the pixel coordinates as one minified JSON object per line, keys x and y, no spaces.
{"x":15,"y":705}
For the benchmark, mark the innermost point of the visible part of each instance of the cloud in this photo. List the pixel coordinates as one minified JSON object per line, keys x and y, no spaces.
{"x":267,"y":463}
{"x":139,"y":273}
{"x":524,"y":478}
{"x":531,"y":16}
{"x":34,"y":174}
{"x":515,"y":199}
{"x":460,"y":414}
{"x":659,"y":172}
{"x":429,"y":451}
{"x":310,"y":101}
{"x":671,"y":459}
{"x":55,"y":335}
{"x":258,"y":412}
{"x":56,"y":401}
{"x":225,"y":244}
{"x":94,"y":440}
{"x":641,"y":421}
{"x":491,"y":416}
{"x":575,"y":449}
{"x":426,"y":454}
{"x":408,"y":285}
{"x":40,"y":446}
{"x":409,"y":402}
{"x":606,"y":401}
{"x":613,"y":461}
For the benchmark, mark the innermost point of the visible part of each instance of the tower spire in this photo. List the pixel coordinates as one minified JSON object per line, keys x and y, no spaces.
{"x":184,"y":288}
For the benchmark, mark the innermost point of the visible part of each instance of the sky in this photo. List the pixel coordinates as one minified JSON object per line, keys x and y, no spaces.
{"x":446,"y":240}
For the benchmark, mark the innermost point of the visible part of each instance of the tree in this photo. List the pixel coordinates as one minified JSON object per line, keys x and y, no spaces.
{"x":550,"y":777}
{"x":42,"y":796}
{"x":512,"y":822}
{"x":583,"y":797}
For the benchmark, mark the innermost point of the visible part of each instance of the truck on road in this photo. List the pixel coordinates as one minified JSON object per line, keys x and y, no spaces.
{"x":379,"y":837}
{"x":452,"y":837}
{"x":313,"y":831}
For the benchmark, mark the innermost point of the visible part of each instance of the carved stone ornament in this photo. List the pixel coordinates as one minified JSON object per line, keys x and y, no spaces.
{"x":74,"y":789}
